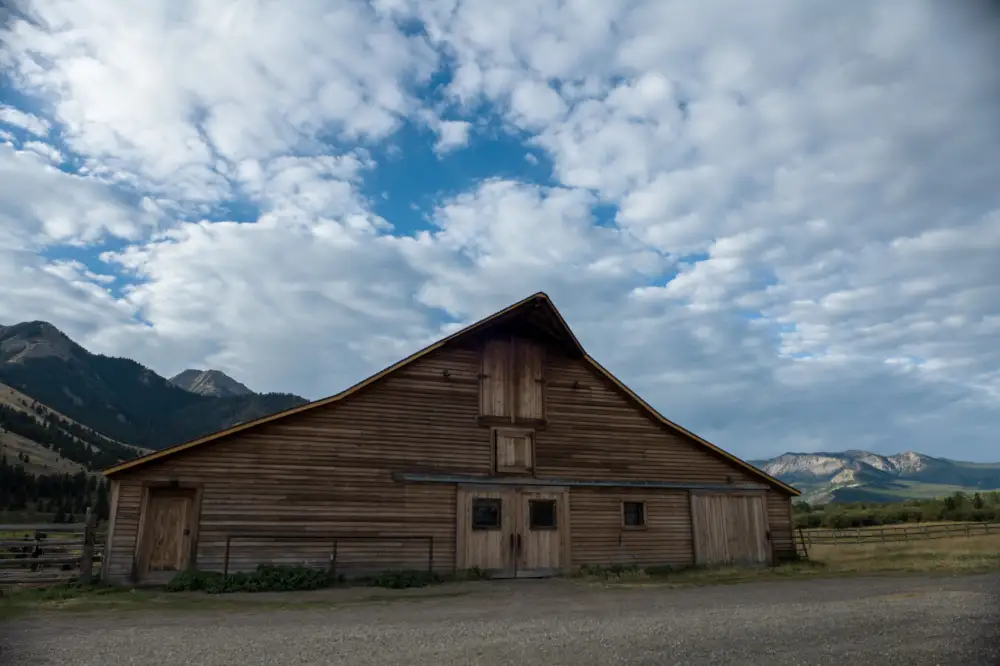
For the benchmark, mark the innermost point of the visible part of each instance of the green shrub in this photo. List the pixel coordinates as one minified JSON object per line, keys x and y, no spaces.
{"x":266,"y":578}
{"x":283,"y":578}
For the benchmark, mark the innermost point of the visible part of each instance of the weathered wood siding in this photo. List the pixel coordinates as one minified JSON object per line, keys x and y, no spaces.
{"x":328,"y":471}
{"x":730,"y":529}
{"x":595,"y":432}
{"x":599,"y":539}
{"x":779,"y":519}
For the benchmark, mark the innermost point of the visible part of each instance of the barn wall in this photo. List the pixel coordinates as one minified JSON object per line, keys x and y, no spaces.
{"x":598,"y":538}
{"x":779,"y":518}
{"x":328,"y":471}
{"x":595,"y":432}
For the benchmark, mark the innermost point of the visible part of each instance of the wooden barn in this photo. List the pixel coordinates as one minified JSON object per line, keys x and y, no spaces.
{"x":503,"y":448}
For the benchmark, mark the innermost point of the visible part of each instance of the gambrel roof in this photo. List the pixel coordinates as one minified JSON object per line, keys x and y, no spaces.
{"x":544,"y":316}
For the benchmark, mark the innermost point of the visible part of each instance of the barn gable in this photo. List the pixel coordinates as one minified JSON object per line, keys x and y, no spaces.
{"x":534,"y":318}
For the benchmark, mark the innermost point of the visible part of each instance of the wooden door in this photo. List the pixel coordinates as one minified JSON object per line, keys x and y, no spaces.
{"x":541,"y":532}
{"x":730,"y":529}
{"x":167,"y":539}
{"x":486,"y":531}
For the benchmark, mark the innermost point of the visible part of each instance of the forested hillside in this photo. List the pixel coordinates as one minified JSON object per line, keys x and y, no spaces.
{"x":118,"y":397}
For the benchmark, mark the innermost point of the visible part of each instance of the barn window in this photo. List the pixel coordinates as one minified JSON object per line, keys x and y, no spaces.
{"x":486,"y":513}
{"x":513,"y":450}
{"x":542,"y":514}
{"x":634,"y":514}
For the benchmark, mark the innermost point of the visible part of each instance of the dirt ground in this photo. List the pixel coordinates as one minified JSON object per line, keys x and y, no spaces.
{"x":903,"y":620}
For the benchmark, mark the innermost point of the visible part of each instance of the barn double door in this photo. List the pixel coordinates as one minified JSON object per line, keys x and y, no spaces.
{"x":513,"y":532}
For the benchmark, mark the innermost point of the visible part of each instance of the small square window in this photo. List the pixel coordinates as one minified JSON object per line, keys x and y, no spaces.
{"x":486,"y":513}
{"x":513,"y":450}
{"x":634,"y":514}
{"x":542,"y":514}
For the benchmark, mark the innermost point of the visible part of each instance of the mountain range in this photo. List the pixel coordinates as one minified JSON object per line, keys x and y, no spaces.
{"x":861,"y":476}
{"x":64,"y":409}
{"x":117,"y":397}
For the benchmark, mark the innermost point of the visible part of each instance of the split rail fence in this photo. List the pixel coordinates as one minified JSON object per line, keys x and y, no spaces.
{"x":892,"y":533}
{"x":41,"y":554}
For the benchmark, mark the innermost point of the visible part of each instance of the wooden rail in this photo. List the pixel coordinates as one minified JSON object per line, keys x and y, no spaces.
{"x":49,"y":553}
{"x":892,"y":533}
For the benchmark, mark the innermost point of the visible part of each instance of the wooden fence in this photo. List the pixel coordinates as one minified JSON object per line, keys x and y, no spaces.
{"x":893,"y":533}
{"x":50,"y":553}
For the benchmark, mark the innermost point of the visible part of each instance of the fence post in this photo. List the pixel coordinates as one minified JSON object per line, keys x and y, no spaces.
{"x":87,"y":557}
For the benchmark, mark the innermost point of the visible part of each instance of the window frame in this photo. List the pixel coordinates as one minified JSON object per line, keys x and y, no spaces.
{"x":645,"y":515}
{"x":528,"y":434}
{"x":554,"y":527}
{"x":495,"y":501}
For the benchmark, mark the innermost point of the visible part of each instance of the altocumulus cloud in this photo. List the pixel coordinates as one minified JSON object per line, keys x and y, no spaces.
{"x":779,"y":223}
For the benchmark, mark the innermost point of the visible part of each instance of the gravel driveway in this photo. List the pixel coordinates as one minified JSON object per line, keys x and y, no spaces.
{"x":910,"y":621}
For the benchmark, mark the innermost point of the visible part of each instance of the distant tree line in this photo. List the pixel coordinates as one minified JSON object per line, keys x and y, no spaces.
{"x":65,"y":496}
{"x":960,"y":506}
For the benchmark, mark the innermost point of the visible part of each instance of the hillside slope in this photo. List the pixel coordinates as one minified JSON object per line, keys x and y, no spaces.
{"x":118,"y":397}
{"x":861,"y":476}
{"x":50,"y":442}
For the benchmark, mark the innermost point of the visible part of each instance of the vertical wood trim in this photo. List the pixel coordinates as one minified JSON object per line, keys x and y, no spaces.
{"x":567,"y":538}
{"x":510,"y":379}
{"x":109,"y":538}
{"x":461,"y":527}
{"x":695,"y":527}
{"x":143,"y":542}
{"x":762,"y":507}
{"x":194,"y":522}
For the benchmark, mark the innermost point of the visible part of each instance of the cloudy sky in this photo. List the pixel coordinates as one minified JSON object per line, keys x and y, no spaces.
{"x":779,"y":221}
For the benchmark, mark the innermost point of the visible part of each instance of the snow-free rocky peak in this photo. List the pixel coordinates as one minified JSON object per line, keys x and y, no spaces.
{"x":209,"y":382}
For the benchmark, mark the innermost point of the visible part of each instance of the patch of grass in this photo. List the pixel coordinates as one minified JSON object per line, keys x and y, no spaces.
{"x":398,"y":580}
{"x":943,"y":556}
{"x":68,"y":596}
{"x":958,"y":554}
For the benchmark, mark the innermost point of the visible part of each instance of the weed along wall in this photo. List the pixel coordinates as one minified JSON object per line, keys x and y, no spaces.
{"x":503,"y":449}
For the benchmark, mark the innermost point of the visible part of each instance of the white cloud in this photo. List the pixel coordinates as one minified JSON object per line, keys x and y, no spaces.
{"x":28,"y":122}
{"x":800,"y":249}
{"x":33,"y":216}
{"x":452,"y":135}
{"x":50,"y":153}
{"x":175,"y":93}
{"x":506,"y":240}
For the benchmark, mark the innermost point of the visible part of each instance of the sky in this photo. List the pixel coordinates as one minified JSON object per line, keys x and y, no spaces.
{"x":777,"y":221}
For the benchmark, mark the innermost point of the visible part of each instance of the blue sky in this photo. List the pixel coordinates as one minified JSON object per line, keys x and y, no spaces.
{"x":779,"y":224}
